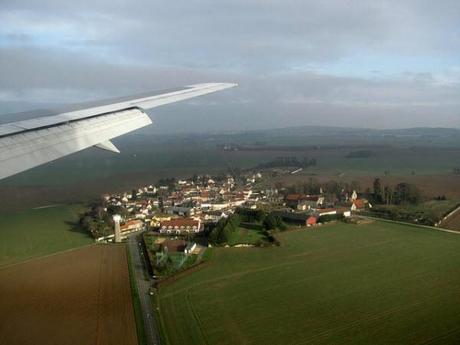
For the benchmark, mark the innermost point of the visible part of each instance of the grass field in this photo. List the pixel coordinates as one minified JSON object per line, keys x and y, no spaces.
{"x":377,"y":283}
{"x":33,"y":233}
{"x":79,"y":297}
{"x":246,"y":236}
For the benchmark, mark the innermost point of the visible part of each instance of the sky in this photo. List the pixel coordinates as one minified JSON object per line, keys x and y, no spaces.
{"x":371,"y":64}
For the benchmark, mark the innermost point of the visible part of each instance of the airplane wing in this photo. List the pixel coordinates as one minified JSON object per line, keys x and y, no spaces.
{"x":29,"y":143}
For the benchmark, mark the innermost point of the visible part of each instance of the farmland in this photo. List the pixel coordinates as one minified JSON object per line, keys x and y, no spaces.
{"x":453,"y":221}
{"x":146,"y":157}
{"x":78,"y":297}
{"x":377,"y":283}
{"x":32,"y":233}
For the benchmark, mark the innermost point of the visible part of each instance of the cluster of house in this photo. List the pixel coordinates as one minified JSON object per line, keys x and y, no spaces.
{"x":185,"y":207}
{"x":188,"y":205}
{"x":308,"y":209}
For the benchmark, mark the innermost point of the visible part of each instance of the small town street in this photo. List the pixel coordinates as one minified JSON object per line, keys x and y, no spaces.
{"x":144,"y":282}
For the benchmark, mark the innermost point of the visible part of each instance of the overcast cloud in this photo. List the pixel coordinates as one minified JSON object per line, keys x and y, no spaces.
{"x":347,"y":63}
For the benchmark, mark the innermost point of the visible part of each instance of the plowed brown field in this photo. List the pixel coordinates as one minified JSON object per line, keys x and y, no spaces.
{"x":78,"y":297}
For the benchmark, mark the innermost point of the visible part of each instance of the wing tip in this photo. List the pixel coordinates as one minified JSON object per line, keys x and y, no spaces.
{"x":219,"y":86}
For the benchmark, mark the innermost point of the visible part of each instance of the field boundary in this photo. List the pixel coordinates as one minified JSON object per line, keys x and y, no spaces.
{"x":136,"y":302}
{"x":160,"y":324}
{"x":173,"y":278}
{"x":45,"y":256}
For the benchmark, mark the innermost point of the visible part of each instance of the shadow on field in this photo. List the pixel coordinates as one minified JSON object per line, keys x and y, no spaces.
{"x":76,"y":227}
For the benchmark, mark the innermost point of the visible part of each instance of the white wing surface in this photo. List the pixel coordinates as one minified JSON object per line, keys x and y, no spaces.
{"x":29,"y":143}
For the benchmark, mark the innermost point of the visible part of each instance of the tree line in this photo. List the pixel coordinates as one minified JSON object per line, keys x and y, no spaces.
{"x":289,"y":161}
{"x":98,"y":222}
{"x":402,"y":194}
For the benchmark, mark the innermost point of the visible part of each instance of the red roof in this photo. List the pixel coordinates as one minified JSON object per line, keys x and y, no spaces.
{"x":180,"y":222}
{"x":298,"y":197}
{"x":359,"y":203}
{"x":294,"y":197}
{"x":312,"y":220}
{"x":131,"y":224}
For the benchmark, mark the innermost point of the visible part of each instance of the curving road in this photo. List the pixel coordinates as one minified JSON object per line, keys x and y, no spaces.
{"x":144,"y":282}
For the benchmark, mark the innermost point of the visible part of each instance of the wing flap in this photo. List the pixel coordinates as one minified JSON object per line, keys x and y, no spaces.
{"x":108,"y":146}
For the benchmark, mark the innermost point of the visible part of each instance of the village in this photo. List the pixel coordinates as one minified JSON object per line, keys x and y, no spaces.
{"x":188,"y":206}
{"x":178,"y":217}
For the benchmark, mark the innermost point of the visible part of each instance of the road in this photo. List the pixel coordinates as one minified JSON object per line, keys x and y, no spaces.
{"x":143,"y":286}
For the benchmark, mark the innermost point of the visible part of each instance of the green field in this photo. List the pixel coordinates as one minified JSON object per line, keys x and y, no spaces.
{"x":378,"y":283}
{"x":245,"y":236}
{"x":34,"y":233}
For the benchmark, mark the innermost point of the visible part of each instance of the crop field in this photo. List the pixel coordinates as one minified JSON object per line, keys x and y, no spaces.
{"x":378,"y":283}
{"x":78,"y":297}
{"x":33,"y":233}
{"x":430,"y":185}
{"x":452,"y":222}
{"x":86,"y":175}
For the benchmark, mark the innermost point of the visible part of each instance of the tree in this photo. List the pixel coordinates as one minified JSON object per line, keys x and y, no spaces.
{"x":112,"y":209}
{"x":388,"y":195}
{"x":214,"y":235}
{"x":406,"y":193}
{"x":378,"y":196}
{"x":249,"y":215}
{"x":224,"y":229}
{"x":312,"y":186}
{"x":86,"y":223}
{"x":234,"y":220}
{"x":161,"y":205}
{"x":279,"y":223}
{"x":355,"y":185}
{"x":269,"y":222}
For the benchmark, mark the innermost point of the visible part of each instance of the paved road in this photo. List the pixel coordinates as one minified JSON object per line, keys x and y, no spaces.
{"x":143,"y":285}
